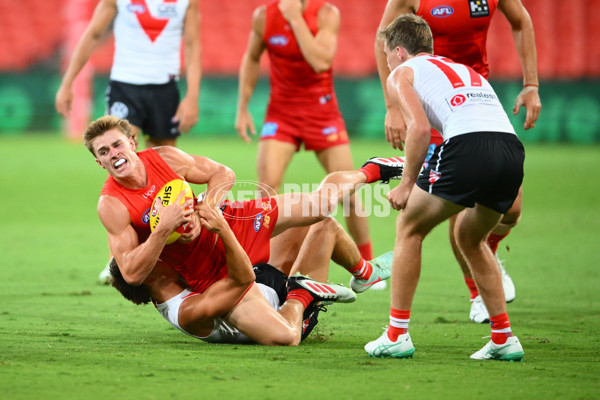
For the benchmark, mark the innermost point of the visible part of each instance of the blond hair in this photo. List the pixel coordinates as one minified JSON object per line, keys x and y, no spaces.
{"x":103,"y":125}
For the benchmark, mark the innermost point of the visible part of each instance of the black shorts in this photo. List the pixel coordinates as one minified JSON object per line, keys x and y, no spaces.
{"x":149,"y":107}
{"x":273,"y":278}
{"x":482,"y":167}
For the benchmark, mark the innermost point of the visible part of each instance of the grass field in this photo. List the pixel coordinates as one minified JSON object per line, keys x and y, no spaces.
{"x":64,"y":337}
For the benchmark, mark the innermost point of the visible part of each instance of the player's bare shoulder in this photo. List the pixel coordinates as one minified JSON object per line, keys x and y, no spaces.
{"x":176,"y":159}
{"x":259,"y":18}
{"x":329,"y":15}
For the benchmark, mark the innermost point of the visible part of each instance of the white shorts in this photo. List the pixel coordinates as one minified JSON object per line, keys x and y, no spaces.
{"x":222,"y":332}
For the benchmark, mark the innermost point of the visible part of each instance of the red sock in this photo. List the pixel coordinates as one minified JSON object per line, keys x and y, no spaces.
{"x":362,"y":270}
{"x":302,"y":295}
{"x":494,"y":240}
{"x":472,"y":287}
{"x":500,"y":328}
{"x":372,"y":172}
{"x":399,"y":320}
{"x":366,"y":250}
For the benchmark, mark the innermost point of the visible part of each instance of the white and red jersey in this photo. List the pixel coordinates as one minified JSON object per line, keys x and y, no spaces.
{"x":148,"y":40}
{"x":456,"y":99}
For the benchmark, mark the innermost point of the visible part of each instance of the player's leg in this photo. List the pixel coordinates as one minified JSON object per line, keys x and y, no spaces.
{"x":339,"y":158}
{"x":500,"y":231}
{"x":302,"y":209}
{"x":285,"y":248}
{"x":477,"y":313}
{"x":473,"y":227}
{"x":255,"y":317}
{"x":422,"y":213}
{"x":272,"y":160}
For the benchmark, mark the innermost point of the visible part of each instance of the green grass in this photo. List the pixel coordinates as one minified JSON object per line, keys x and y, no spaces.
{"x":64,"y":337}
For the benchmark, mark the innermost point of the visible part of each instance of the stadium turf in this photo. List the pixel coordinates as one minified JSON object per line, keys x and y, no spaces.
{"x":62,"y":336}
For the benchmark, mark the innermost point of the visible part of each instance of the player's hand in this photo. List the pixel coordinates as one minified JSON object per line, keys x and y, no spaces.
{"x":212,"y":218}
{"x":398,"y":196}
{"x":290,"y":9}
{"x":187,"y":114}
{"x":395,"y":128}
{"x":530,"y":98}
{"x":63,"y":100}
{"x":174,"y":215}
{"x":243,"y":124}
{"x":192,"y":230}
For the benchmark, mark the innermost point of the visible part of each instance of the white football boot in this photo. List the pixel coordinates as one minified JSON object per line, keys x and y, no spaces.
{"x":479,"y":313}
{"x":509,"y":351}
{"x":384,"y":347}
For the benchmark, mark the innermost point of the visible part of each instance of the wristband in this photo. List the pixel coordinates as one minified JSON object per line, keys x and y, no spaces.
{"x":531,"y":84}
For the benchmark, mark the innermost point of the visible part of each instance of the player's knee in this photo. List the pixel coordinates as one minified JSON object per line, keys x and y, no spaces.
{"x":511,"y":218}
{"x":283,"y":337}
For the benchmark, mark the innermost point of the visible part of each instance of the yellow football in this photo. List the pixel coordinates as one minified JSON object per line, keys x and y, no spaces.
{"x":167,"y":196}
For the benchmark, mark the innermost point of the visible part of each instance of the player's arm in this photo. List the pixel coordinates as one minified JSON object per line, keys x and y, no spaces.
{"x":188,"y":110}
{"x":249,"y":73}
{"x":105,"y":12}
{"x":395,"y":129}
{"x":222,"y":296}
{"x":524,"y":37}
{"x":418,"y":131}
{"x":200,"y":170}
{"x":137,"y":260}
{"x":317,"y":50}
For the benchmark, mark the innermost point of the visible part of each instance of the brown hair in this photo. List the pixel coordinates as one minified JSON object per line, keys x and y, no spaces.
{"x":410,"y":32}
{"x":102,"y":125}
{"x":135,"y":294}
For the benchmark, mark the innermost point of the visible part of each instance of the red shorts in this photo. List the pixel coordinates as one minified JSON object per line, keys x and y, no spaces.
{"x":252,"y":222}
{"x":318,"y":126}
{"x":436,"y":138}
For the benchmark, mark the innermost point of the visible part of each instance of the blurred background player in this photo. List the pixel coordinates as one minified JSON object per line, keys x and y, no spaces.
{"x":143,"y":80}
{"x":459,"y":30}
{"x":300,"y":37}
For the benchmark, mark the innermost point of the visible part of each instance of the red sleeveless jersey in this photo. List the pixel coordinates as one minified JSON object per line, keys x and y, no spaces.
{"x":460,"y":29}
{"x":201,"y":262}
{"x":292,"y":79}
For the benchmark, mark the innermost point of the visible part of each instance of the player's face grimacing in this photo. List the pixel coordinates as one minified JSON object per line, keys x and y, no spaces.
{"x":114,"y":152}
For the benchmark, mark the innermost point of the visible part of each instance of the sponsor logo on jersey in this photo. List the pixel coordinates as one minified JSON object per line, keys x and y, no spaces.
{"x":278,"y":40}
{"x":458,"y":100}
{"x":146,"y":216}
{"x":269,"y":129}
{"x":442,"y":11}
{"x":136,"y":8}
{"x":257,"y":222}
{"x":267,"y":221}
{"x":119,"y":110}
{"x":479,"y":8}
{"x":166,"y":10}
{"x":150,"y":192}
